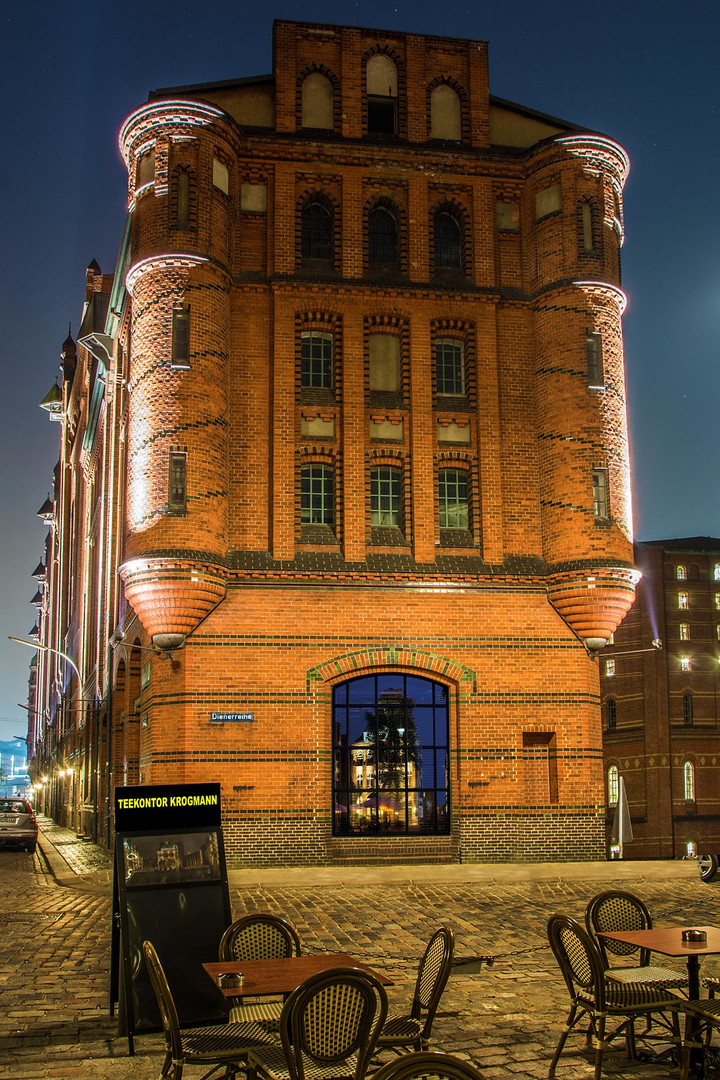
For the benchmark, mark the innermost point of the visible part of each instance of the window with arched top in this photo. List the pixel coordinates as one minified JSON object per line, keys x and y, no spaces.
{"x":611,"y":713}
{"x":447,"y":241}
{"x":316,"y":232}
{"x":382,"y":237}
{"x":399,"y":724}
{"x":317,"y":102}
{"x":681,"y":572}
{"x":613,"y":785}
{"x":445,"y":114}
{"x":382,"y":94}
{"x":689,"y":781}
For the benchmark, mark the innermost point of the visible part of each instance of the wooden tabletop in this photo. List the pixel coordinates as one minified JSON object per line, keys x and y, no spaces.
{"x":282,"y":976}
{"x":668,"y":940}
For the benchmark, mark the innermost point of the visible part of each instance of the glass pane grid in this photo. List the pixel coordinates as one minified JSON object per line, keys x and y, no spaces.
{"x":449,"y":368}
{"x":317,"y":495}
{"x":385,"y":498}
{"x":316,"y":360}
{"x":453,"y":499}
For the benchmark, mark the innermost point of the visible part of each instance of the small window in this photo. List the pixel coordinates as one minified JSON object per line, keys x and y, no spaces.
{"x":611,"y":713}
{"x":716,"y":599}
{"x":609,"y":668}
{"x":317,"y":495}
{"x":613,"y":785}
{"x":684,"y":631}
{"x":177,"y":493}
{"x":716,"y":572}
{"x":507,"y":216}
{"x":601,"y":502}
{"x":681,"y":572}
{"x":447,"y":241}
{"x":685,"y":663}
{"x":687,"y":710}
{"x":382,"y":237}
{"x":453,"y":499}
{"x":386,"y":498}
{"x":547,"y":201}
{"x":220,"y":176}
{"x":182,"y":212}
{"x":145,"y":674}
{"x":316,"y":239}
{"x":449,"y":367}
{"x":317,"y":102}
{"x":181,"y":338}
{"x":593,"y":352}
{"x":316,"y":361}
{"x":145,"y":169}
{"x":689,"y":781}
{"x":684,"y":601}
{"x":587,"y":227}
{"x":384,"y":361}
{"x":445,"y":114}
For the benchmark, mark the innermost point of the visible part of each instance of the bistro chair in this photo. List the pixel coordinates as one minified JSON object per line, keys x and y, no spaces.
{"x":411,"y":1031}
{"x":616,"y":910}
{"x":701,"y":1019}
{"x":328,"y":1029}
{"x":218,"y":1045}
{"x":258,"y":937}
{"x":597,"y":999}
{"x":427,"y":1063}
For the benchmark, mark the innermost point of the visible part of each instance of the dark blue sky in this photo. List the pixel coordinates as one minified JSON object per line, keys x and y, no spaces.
{"x":643,"y":72}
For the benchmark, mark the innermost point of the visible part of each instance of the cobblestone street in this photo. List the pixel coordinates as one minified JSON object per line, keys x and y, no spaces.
{"x":55,"y":944}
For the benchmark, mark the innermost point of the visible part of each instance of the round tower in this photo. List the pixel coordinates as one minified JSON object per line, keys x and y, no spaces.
{"x":576,"y":187}
{"x":178,"y":155}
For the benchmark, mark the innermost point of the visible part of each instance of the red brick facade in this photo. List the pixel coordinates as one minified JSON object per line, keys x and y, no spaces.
{"x":214,"y":422}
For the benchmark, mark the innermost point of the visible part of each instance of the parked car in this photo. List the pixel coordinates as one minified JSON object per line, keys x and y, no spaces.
{"x":708,"y":866}
{"x":17,"y":823}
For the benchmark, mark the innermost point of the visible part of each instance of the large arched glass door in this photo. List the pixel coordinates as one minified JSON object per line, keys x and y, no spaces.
{"x":390,"y":756}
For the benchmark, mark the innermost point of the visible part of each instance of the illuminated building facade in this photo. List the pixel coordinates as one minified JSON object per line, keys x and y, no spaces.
{"x":352,"y":436}
{"x":661,"y":706}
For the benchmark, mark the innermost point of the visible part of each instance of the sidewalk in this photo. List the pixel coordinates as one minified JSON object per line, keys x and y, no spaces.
{"x":505,"y":1018}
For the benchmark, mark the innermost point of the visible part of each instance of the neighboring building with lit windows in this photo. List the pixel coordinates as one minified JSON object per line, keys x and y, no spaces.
{"x":348,"y":426}
{"x":661,"y":707}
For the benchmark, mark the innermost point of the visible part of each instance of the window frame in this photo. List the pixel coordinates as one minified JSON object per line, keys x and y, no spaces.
{"x":317,"y":245}
{"x":446,"y":505}
{"x":177,"y":482}
{"x":444,"y":245}
{"x":601,"y":494}
{"x":311,"y":364}
{"x":317,"y":479}
{"x":688,"y":781}
{"x":450,"y":376}
{"x":393,"y":495}
{"x":613,"y":785}
{"x":383,"y":245}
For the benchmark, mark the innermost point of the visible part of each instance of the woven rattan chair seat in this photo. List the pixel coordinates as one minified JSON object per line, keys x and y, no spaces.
{"x":226,"y":1040}
{"x":274,"y":1064}
{"x":624,"y":996}
{"x":712,"y":983}
{"x":706,"y":1008}
{"x":658,"y":977}
{"x":265,"y":1013}
{"x":400,"y":1027}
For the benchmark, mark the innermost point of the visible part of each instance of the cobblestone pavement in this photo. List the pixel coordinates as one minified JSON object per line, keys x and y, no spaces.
{"x":55,"y":939}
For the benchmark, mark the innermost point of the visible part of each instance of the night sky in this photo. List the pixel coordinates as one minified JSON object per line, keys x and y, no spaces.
{"x":645,"y":73}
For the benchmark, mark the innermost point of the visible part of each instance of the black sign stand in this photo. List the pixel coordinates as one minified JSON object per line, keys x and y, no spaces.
{"x":170,"y":887}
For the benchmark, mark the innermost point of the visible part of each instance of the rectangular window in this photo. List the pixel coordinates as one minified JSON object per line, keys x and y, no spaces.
{"x":316,"y":361}
{"x":593,"y":349}
{"x":220,"y":176}
{"x":145,"y":674}
{"x":683,"y":601}
{"x":450,"y":367}
{"x":145,"y":169}
{"x":685,"y":663}
{"x":385,"y":498}
{"x":609,"y":668}
{"x":687,"y":710}
{"x":547,"y":201}
{"x":611,"y":713}
{"x":601,"y":503}
{"x":177,"y":493}
{"x":384,"y":357}
{"x":507,"y":216}
{"x":684,"y":631}
{"x":181,"y":338}
{"x":317,"y":495}
{"x":453,"y":499}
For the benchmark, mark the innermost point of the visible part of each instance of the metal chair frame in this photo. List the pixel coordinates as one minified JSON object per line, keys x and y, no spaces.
{"x":596,"y":998}
{"x":411,"y":1031}
{"x":217,"y":1045}
{"x":430,"y":1064}
{"x":328,"y":1029}
{"x":618,"y":910}
{"x":260,"y":936}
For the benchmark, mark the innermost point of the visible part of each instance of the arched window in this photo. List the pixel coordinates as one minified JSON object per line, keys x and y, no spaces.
{"x":316,"y":232}
{"x":453,"y":499}
{"x":689,"y":781}
{"x":382,"y":91}
{"x":399,"y":723}
{"x":447,"y":241}
{"x":445,"y":114}
{"x":382,"y":237}
{"x":613,"y":785}
{"x":317,"y":102}
{"x":611,"y":713}
{"x":317,"y":495}
{"x":681,"y":572}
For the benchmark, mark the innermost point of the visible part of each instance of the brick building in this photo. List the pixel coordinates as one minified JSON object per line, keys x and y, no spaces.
{"x":661,"y":705}
{"x":348,"y":424}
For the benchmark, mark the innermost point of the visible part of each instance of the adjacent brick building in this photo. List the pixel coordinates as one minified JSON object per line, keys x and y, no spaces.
{"x":662,"y":705}
{"x":349,"y":423}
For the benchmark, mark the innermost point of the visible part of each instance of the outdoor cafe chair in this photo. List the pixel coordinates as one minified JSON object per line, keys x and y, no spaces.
{"x":428,"y":1063}
{"x":217,"y":1045}
{"x":598,"y":999}
{"x":701,"y":1019}
{"x":328,"y":1029}
{"x":411,"y":1031}
{"x":622,"y":911}
{"x":260,"y":936}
